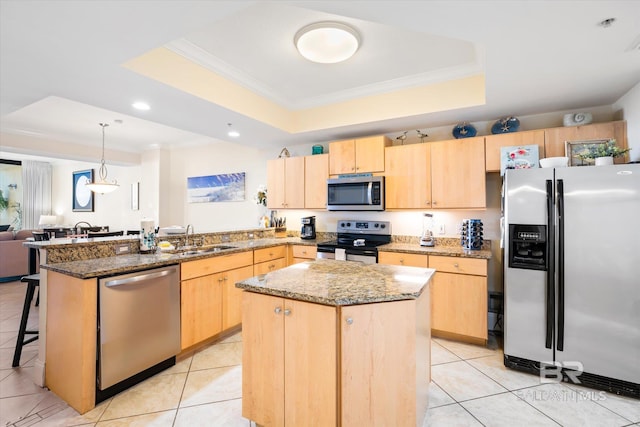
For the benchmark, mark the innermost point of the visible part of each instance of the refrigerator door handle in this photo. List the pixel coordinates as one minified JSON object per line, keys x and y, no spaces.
{"x":560,"y":339}
{"x":550,"y":303}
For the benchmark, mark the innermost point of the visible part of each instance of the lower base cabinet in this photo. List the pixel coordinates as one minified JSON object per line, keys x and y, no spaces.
{"x":459,"y":298}
{"x":308,"y":364}
{"x":458,"y":293}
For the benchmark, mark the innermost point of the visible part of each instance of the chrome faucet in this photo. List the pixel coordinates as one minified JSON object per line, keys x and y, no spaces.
{"x":186,"y":235}
{"x":77,"y":229}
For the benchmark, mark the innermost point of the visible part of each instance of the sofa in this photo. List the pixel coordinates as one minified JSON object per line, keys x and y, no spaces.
{"x":14,"y":256}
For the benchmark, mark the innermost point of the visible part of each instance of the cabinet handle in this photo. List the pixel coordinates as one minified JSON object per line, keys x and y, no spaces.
{"x":401,"y":260}
{"x":287,"y":312}
{"x":277,"y":310}
{"x":428,"y":202}
{"x":434,"y":203}
{"x":455,"y":265}
{"x":349,"y":320}
{"x":220,"y":279}
{"x":225,"y":278}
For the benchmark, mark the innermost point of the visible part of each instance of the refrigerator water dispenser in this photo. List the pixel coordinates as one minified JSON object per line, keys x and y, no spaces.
{"x":528,"y":247}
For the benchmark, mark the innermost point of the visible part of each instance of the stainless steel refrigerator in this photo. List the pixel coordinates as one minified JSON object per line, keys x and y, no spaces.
{"x":572,"y":274}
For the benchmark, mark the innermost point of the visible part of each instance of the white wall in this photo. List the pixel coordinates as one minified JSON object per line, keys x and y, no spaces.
{"x":628,"y":108}
{"x":112,"y":209}
{"x":213,"y":159}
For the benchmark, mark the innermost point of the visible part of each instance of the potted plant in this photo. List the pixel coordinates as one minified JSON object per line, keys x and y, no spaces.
{"x":603,"y":154}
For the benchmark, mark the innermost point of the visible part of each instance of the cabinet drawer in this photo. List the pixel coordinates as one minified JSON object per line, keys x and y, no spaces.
{"x":397,"y":258}
{"x":302,"y":251}
{"x":269,"y":266}
{"x":267,"y":254}
{"x":202,"y":267}
{"x":474,"y":266}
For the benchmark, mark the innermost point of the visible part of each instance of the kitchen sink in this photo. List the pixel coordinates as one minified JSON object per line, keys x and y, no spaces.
{"x":206,"y":250}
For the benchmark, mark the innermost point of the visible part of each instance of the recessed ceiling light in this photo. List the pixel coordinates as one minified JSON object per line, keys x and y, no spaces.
{"x":327,"y":42}
{"x":232,"y":132}
{"x":139,"y":105}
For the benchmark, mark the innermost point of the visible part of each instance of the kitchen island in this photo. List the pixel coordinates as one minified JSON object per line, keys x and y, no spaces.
{"x":331,"y":343}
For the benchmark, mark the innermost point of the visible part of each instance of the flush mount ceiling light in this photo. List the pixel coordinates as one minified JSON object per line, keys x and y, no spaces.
{"x":103,"y":186}
{"x":327,"y":42}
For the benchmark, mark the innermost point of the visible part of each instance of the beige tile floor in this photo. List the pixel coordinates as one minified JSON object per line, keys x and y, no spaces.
{"x":470,"y":387}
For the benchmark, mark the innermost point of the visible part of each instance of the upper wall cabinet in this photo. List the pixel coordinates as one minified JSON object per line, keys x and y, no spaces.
{"x":556,"y":138}
{"x":357,"y":155}
{"x":316,"y":173}
{"x":457,"y":174}
{"x":285,"y":181}
{"x":408,"y":176}
{"x":494,"y":143}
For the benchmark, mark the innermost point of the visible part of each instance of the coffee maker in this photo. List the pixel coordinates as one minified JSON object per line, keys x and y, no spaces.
{"x":308,"y":230}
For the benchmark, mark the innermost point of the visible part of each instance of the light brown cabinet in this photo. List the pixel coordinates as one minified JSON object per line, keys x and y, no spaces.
{"x":285,"y":182}
{"x":458,"y":293}
{"x":493,"y":144}
{"x":344,"y":365}
{"x":209,"y":301}
{"x":402,"y":258}
{"x":302,"y":334}
{"x":457,"y":174}
{"x":270,"y":259}
{"x":408,"y":176}
{"x":556,"y":138}
{"x":301,"y":253}
{"x":459,"y":298}
{"x":316,"y":173}
{"x":357,"y":155}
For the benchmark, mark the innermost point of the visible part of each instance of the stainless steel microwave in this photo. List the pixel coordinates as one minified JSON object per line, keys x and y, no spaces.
{"x":355,"y":193}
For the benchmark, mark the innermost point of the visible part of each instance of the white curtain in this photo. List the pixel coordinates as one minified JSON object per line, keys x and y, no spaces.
{"x":36,"y":192}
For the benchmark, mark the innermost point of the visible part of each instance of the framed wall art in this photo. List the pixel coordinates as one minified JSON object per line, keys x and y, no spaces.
{"x":228,"y":187}
{"x":82,"y":196}
{"x":135,"y":196}
{"x":578,"y":152}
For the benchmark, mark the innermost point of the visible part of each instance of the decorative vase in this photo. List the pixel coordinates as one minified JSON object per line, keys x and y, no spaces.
{"x":604,"y":161}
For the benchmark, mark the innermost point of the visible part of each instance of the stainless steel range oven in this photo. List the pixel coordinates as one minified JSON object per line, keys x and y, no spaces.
{"x":357,"y":241}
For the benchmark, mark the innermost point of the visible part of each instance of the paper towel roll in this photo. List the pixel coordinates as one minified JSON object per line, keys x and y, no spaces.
{"x":341,"y":254}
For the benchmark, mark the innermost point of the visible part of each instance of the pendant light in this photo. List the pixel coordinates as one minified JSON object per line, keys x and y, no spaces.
{"x":103,"y":186}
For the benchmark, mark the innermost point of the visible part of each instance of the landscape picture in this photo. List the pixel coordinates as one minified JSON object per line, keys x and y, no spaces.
{"x":216,"y":188}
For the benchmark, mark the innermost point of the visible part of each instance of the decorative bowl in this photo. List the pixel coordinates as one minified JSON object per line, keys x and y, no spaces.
{"x":554,"y":162}
{"x":464,"y":130}
{"x":505,"y":125}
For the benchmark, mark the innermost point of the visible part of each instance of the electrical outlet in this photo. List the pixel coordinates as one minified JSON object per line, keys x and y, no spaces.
{"x":441,"y":229}
{"x":122,"y":249}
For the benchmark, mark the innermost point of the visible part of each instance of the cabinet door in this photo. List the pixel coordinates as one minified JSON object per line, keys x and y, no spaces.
{"x":370,"y":153}
{"x":263,"y":359}
{"x":310,"y":355}
{"x":408,"y":176}
{"x":276,"y":183}
{"x":294,"y":183}
{"x":459,"y":304}
{"x":378,"y":371}
{"x":200,"y":302}
{"x":316,"y":173}
{"x":232,"y":296}
{"x":555,"y":138}
{"x":457,"y":174}
{"x":342,"y":157}
{"x":494,"y":143}
{"x":399,"y":258}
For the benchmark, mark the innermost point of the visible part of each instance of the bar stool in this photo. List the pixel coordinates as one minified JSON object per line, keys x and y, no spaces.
{"x":32,"y":281}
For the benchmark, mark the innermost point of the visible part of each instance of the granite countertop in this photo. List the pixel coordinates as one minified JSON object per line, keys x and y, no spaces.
{"x":338,"y":283}
{"x":415,"y":248}
{"x":107,"y":266}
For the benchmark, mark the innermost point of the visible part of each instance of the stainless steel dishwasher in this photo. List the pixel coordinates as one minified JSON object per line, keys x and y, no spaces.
{"x":139,"y":327}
